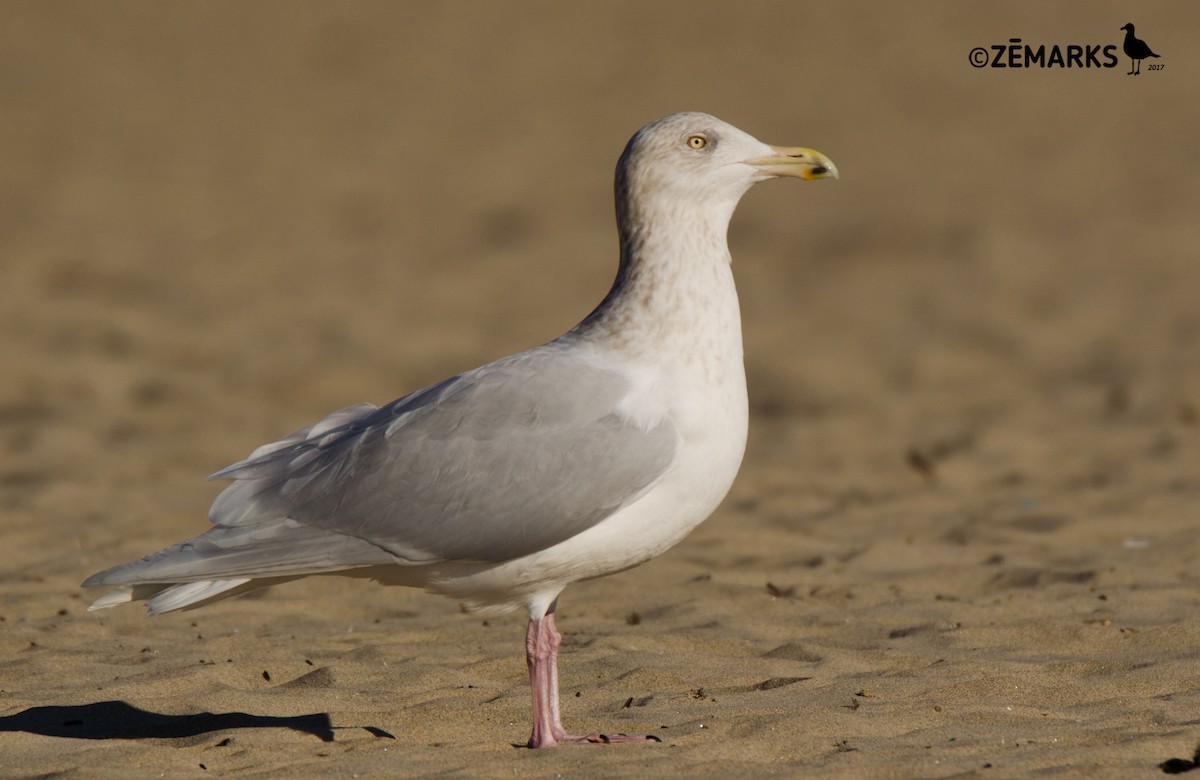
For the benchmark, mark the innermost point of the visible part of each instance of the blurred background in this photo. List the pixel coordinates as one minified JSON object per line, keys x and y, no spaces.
{"x":221,"y":220}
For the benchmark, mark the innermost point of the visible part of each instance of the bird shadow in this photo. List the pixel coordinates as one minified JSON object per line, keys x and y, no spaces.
{"x":120,"y":720}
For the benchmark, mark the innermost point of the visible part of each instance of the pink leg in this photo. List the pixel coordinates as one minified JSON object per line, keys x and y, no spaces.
{"x":541,"y":655}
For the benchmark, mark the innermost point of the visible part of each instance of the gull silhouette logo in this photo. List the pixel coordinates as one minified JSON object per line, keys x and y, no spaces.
{"x":1136,"y":50}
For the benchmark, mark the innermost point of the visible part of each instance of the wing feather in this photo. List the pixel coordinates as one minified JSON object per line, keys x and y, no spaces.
{"x":496,"y":463}
{"x":491,"y":465}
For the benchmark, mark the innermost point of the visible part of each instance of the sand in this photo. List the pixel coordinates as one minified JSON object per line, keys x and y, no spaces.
{"x":963,"y":542}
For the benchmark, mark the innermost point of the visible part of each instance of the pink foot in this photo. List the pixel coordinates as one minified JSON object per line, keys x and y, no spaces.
{"x":541,"y":655}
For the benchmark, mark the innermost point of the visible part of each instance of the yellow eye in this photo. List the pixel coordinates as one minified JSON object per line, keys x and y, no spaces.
{"x":697,"y":141}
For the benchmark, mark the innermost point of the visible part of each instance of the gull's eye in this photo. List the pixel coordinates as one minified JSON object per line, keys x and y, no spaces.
{"x":697,"y":141}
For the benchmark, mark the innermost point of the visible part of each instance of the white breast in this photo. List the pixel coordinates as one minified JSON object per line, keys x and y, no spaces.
{"x":694,"y":375}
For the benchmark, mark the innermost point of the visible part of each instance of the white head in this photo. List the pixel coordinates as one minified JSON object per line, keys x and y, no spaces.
{"x":693,"y":164}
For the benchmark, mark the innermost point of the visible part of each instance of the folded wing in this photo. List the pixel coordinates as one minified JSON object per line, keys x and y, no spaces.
{"x":494,"y":464}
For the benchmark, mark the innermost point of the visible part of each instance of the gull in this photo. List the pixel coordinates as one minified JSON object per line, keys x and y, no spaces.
{"x":576,"y":459}
{"x":1136,"y":50}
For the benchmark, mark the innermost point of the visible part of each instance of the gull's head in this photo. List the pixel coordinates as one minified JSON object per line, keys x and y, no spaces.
{"x":696,"y":158}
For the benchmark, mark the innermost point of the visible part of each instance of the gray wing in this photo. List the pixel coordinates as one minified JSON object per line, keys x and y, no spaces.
{"x":493,"y":464}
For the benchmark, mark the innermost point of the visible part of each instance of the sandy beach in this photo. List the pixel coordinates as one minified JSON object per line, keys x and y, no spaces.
{"x":964,"y":539}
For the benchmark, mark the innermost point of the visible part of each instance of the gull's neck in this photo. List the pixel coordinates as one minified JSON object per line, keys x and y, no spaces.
{"x":674,"y":293}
